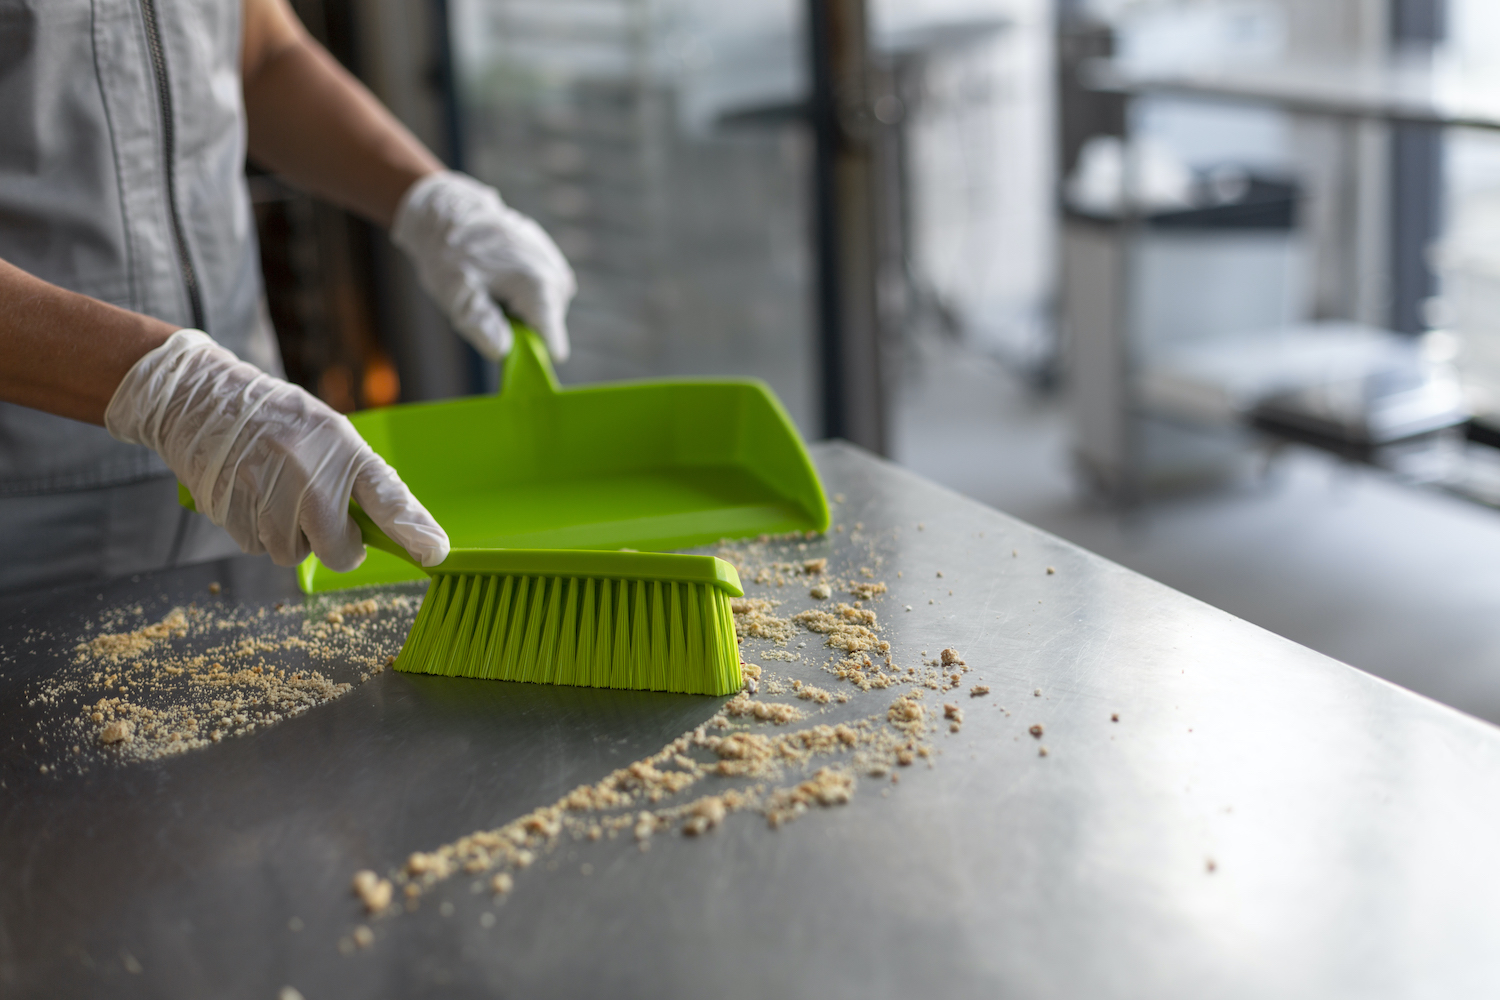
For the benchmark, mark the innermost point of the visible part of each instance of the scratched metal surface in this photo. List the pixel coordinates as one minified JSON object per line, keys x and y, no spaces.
{"x":1351,"y":824}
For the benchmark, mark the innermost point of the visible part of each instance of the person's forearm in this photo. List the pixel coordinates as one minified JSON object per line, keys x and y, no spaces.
{"x":66,"y":353}
{"x":319,"y":128}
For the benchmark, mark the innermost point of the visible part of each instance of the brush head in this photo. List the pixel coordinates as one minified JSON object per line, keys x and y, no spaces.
{"x":647,"y":632}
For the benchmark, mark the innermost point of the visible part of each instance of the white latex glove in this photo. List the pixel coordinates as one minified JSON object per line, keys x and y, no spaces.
{"x":264,"y":459}
{"x":469,"y":249}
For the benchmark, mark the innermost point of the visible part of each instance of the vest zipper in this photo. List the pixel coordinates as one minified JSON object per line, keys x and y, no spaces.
{"x":169,"y":150}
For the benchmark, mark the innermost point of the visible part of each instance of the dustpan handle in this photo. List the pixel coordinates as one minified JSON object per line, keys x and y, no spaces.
{"x":528,"y":369}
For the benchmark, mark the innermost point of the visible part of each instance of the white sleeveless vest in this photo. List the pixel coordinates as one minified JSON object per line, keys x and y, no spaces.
{"x":122,"y":152}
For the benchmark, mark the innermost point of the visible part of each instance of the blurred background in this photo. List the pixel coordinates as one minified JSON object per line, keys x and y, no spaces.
{"x":1211,"y":287}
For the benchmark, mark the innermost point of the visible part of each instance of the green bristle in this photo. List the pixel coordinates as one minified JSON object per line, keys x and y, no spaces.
{"x":592,"y":635}
{"x":461,"y":664}
{"x":567,"y":639}
{"x":644,"y":635}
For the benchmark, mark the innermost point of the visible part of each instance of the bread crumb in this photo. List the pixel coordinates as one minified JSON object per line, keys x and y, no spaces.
{"x":1211,"y":865}
{"x":809,"y":693}
{"x":363,"y":936}
{"x":820,"y":591}
{"x":1114,"y":717}
{"x":502,"y":883}
{"x":814,"y":566}
{"x":1037,"y":693}
{"x":1041,"y":751}
{"x":1036,"y":730}
{"x":289,"y":993}
{"x":978,"y":691}
{"x":214,"y":588}
{"x":740,"y":706}
{"x":1051,"y":570}
{"x":953,"y":712}
{"x":117,"y":732}
{"x":950,"y":657}
{"x":373,"y":890}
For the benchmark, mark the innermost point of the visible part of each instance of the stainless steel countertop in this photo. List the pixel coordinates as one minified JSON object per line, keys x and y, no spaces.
{"x":1351,"y":824}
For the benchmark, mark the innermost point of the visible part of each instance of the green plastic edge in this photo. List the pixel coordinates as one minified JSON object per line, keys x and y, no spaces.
{"x":620,"y":564}
{"x":584,"y":563}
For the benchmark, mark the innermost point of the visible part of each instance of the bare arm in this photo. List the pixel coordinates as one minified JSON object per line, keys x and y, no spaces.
{"x":66,"y":353}
{"x":317,"y":126}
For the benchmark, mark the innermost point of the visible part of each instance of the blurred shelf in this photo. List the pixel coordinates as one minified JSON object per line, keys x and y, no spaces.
{"x":1398,"y":91}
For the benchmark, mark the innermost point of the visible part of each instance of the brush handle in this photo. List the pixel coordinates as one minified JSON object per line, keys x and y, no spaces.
{"x":528,"y":372}
{"x":373,"y":536}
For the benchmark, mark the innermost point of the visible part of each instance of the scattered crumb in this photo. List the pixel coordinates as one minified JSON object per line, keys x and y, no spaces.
{"x":363,"y":936}
{"x":214,"y":588}
{"x":1211,"y":866}
{"x":1041,"y":751}
{"x":117,"y":732}
{"x":1036,"y":730}
{"x":978,"y":691}
{"x":950,"y":657}
{"x":1037,"y":693}
{"x":289,"y":993}
{"x":1114,"y":717}
{"x":1051,"y":570}
{"x":820,"y":591}
{"x":741,"y":706}
{"x":953,"y":712}
{"x":502,"y":883}
{"x":809,"y":693}
{"x":373,"y":891}
{"x":814,"y":566}
{"x":753,"y":619}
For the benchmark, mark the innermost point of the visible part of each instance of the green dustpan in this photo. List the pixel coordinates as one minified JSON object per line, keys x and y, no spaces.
{"x":650,"y":465}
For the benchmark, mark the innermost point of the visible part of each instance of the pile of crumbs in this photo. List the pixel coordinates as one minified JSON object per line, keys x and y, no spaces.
{"x":778,"y":774}
{"x":757,"y":755}
{"x":199,"y":675}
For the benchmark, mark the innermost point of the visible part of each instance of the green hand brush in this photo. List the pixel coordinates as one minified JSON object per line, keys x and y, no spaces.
{"x":641,"y":620}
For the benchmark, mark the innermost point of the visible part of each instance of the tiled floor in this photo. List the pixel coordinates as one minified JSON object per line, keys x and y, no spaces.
{"x":1399,"y":581}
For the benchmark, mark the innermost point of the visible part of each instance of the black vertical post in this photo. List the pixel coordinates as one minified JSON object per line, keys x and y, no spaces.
{"x":844,"y":192}
{"x":445,"y":80}
{"x":1416,"y":176}
{"x":483,"y":375}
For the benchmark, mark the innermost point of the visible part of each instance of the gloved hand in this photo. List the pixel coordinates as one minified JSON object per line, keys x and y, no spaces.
{"x":264,"y":459}
{"x":467,"y":246}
